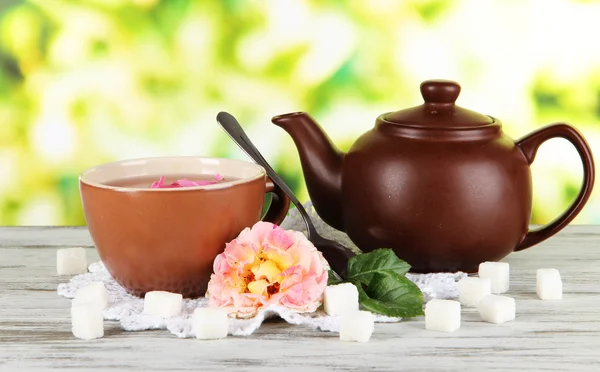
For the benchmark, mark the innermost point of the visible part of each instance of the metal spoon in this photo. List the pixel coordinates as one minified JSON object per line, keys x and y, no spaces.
{"x":335,"y":253}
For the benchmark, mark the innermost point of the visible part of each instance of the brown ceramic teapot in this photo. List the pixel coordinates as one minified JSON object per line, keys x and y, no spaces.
{"x":441,"y":185}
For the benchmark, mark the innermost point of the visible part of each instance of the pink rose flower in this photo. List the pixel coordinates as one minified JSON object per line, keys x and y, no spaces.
{"x":267,"y":265}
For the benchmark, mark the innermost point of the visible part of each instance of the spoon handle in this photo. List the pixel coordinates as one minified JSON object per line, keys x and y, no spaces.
{"x":233,"y":128}
{"x":334,"y":253}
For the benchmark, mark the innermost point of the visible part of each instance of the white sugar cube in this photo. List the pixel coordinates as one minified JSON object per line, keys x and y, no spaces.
{"x":164,"y":304}
{"x":70,"y":261}
{"x":498,"y":273}
{"x":549,"y":284}
{"x":210,"y":323}
{"x":496,"y":309}
{"x":340,"y":298}
{"x":471,"y":290}
{"x":442,"y":315}
{"x":93,"y":294}
{"x":87,"y":321}
{"x":356,"y":326}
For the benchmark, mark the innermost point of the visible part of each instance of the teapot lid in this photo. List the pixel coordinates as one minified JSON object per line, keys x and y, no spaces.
{"x":439,"y":109}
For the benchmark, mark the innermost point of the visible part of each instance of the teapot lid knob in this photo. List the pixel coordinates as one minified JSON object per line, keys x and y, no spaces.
{"x":439,"y":110}
{"x":440,"y":91}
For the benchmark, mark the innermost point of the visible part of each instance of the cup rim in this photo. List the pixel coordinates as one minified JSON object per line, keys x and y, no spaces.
{"x":261,"y":173}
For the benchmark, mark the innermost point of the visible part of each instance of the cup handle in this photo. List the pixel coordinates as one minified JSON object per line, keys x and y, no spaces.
{"x":280,"y":204}
{"x":529,"y":146}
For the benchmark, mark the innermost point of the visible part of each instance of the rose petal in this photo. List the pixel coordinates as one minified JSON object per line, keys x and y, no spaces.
{"x":239,"y":255}
{"x":258,"y":287}
{"x":220,"y":264}
{"x":184,"y":182}
{"x":266,"y":270}
{"x":281,"y":258}
{"x":260,"y":231}
{"x":277,"y":238}
{"x":159,"y":183}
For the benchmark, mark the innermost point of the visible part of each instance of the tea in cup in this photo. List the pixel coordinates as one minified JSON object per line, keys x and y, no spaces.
{"x":166,"y":238}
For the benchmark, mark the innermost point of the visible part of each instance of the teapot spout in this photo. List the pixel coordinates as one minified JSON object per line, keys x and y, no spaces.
{"x":321,"y":164}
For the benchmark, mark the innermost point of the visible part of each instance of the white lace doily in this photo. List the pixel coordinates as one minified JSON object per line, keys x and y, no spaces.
{"x":128,"y":310}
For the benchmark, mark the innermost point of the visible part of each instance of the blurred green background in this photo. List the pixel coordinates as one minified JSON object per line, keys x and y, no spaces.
{"x":84,"y":82}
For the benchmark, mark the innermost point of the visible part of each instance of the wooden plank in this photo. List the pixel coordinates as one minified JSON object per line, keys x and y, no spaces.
{"x":46,"y":236}
{"x":547,"y":335}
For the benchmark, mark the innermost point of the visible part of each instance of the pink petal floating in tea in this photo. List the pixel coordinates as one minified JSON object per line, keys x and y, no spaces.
{"x":158,"y":184}
{"x":202,"y":183}
{"x":184,"y":182}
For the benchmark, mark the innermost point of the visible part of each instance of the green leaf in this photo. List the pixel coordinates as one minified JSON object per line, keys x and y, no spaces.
{"x":362,"y":267}
{"x":332,"y":278}
{"x":382,"y":286}
{"x":392,"y":295}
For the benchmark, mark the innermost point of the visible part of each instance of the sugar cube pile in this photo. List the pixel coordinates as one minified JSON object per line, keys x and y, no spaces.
{"x":549,"y":284}
{"x":442,"y":315}
{"x":471,"y":290}
{"x":498,"y":273}
{"x":93,"y":294}
{"x":497,"y":309}
{"x":341,"y":298}
{"x":70,"y":261}
{"x":87,"y":321}
{"x":356,"y":326}
{"x":210,"y":323}
{"x":164,"y":304}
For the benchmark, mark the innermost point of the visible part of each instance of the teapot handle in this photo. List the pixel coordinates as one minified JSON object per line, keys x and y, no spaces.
{"x":529,"y":145}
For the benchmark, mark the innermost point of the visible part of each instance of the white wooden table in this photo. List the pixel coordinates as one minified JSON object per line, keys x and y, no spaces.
{"x":564,"y":335}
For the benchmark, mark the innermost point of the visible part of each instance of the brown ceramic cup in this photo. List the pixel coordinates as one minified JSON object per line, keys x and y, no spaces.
{"x":167,"y":239}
